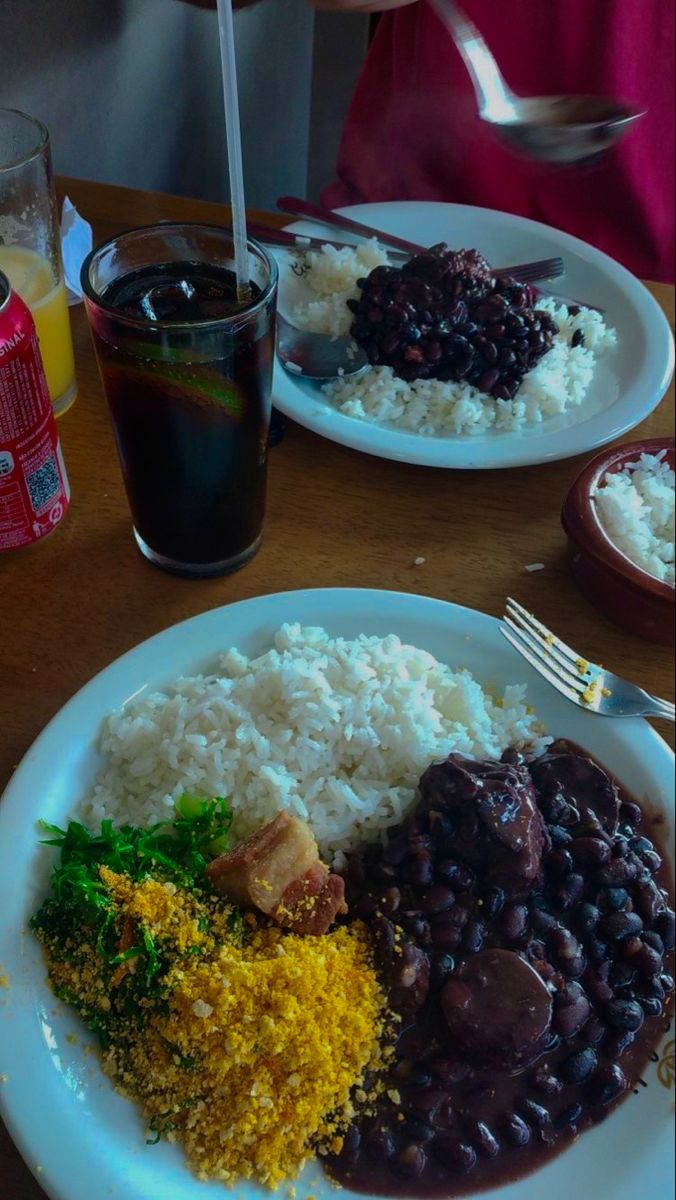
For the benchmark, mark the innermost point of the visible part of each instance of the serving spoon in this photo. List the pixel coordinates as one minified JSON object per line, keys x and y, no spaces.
{"x":555,"y":129}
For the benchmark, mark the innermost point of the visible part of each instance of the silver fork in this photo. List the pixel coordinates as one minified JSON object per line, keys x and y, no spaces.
{"x":548,"y":268}
{"x":585,"y":683}
{"x":541,"y":270}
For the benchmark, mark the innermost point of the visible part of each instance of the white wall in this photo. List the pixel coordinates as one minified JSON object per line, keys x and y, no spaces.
{"x":130,"y":90}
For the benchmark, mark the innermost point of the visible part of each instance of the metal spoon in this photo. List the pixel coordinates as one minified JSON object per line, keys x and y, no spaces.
{"x":556,"y":129}
{"x":317,"y":356}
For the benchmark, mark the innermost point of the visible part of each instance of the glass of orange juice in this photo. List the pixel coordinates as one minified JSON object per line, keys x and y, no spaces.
{"x":30,"y":245}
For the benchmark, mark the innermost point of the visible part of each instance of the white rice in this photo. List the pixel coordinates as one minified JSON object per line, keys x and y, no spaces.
{"x":332,"y":279}
{"x":636,"y":508}
{"x":560,"y":381}
{"x":333,"y":730}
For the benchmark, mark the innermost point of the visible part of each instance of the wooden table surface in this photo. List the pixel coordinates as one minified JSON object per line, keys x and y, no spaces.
{"x":70,"y":606}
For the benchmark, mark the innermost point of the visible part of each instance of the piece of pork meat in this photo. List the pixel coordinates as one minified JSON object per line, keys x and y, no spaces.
{"x":278,"y":871}
{"x":312,"y":903}
{"x":497,"y":828}
{"x":575,"y":791}
{"x":258,"y":871}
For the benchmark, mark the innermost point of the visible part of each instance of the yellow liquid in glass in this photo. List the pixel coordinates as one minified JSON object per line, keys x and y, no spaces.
{"x":31,"y":276}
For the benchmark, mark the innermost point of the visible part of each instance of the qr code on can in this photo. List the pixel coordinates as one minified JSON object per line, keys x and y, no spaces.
{"x":43,"y":485}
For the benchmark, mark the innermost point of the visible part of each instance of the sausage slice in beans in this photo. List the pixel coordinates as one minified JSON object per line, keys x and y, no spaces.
{"x":498,"y":1010}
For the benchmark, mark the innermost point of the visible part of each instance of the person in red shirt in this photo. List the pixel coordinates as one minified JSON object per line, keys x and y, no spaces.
{"x":413,"y":130}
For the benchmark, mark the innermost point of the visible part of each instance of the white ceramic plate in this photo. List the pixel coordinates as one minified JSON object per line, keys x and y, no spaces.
{"x":629,"y":382}
{"x":80,"y":1137}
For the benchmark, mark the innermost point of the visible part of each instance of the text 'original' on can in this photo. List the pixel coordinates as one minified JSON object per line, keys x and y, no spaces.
{"x":34,"y":490}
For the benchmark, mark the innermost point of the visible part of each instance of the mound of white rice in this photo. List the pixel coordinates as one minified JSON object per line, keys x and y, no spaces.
{"x":559,"y":382}
{"x":332,"y":280}
{"x":636,"y":508}
{"x":335,"y":731}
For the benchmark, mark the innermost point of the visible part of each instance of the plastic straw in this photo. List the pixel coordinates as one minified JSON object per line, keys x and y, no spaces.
{"x":226,"y":34}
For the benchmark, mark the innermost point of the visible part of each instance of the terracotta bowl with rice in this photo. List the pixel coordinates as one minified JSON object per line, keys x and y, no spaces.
{"x":619,"y":518}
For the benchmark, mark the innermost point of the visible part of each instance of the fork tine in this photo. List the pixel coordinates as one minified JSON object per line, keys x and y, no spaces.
{"x":550,"y":269}
{"x":542,"y":650}
{"x":580,"y":669}
{"x":539,"y":666}
{"x":547,"y":268}
{"x":517,"y":610}
{"x":538,"y":264}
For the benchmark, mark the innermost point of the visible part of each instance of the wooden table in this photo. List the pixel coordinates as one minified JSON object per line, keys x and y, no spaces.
{"x":70,"y":606}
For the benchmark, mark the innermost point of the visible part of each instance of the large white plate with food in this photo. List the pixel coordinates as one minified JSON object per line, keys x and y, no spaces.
{"x":565,"y":411}
{"x":78,"y":1135}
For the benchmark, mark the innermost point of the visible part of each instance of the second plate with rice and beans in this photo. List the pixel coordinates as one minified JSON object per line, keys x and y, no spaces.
{"x":465,"y":370}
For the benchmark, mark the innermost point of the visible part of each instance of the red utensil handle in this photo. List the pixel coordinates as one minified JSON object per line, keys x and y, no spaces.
{"x":294,"y":241}
{"x":316,"y":212}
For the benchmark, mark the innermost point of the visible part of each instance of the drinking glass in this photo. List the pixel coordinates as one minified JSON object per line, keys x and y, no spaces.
{"x":187,"y":372}
{"x":30,"y":246}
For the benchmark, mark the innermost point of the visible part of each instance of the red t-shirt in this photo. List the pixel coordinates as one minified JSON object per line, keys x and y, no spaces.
{"x":413,"y":132}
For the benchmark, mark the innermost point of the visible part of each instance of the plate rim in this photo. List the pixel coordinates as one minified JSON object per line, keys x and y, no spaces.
{"x":28,"y":1141}
{"x":381,"y":441}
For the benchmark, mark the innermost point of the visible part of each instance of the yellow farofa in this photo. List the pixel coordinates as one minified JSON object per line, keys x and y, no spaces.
{"x":252,"y":1058}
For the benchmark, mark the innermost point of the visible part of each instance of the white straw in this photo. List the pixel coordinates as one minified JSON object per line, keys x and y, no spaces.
{"x":226,"y":33}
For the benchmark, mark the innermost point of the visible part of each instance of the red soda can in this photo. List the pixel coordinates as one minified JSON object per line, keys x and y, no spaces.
{"x":34,"y":491}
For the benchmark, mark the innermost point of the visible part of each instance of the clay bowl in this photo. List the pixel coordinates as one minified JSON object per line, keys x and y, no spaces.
{"x":617,"y":587}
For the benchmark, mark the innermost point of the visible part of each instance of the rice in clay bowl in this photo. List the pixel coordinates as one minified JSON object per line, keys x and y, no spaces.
{"x":625,"y":592}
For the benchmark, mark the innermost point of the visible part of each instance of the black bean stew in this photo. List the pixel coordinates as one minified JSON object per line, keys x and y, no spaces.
{"x":522,"y":924}
{"x":443,"y":315}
